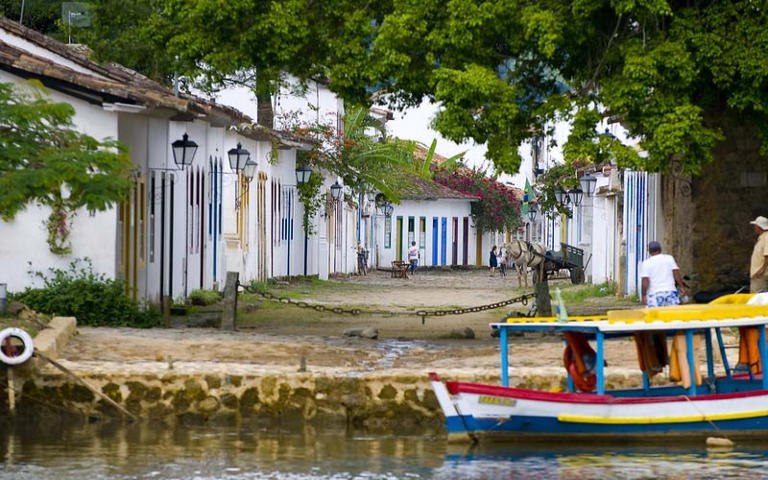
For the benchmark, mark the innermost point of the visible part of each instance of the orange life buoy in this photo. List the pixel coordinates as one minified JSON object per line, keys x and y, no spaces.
{"x":573,"y":359}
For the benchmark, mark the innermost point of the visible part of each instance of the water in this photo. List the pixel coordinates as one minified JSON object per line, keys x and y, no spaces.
{"x":109,"y":452}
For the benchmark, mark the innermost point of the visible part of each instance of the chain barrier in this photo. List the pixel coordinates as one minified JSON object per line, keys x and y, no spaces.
{"x":423,"y":314}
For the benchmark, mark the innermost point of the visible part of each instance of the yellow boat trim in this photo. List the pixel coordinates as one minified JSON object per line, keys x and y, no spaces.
{"x":646,"y":420}
{"x":593,"y":318}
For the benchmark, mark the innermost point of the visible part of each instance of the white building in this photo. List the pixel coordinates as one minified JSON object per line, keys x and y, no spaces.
{"x":179,"y":229}
{"x":437,"y":218}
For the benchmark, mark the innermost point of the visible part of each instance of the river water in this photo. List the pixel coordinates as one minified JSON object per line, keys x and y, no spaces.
{"x":114,"y":452}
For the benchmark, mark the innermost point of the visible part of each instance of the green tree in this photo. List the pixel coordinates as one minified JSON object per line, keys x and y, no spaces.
{"x":44,"y":160}
{"x":501,"y":71}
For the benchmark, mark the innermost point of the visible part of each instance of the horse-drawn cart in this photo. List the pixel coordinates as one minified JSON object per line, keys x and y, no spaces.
{"x":567,"y":258}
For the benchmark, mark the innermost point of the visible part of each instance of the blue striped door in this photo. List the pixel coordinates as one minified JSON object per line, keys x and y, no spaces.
{"x":434,"y":240}
{"x":443,"y":239}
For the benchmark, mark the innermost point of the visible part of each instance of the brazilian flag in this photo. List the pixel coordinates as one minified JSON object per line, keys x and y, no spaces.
{"x":527,"y":197}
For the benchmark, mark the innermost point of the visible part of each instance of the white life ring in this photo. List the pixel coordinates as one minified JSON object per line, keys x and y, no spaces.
{"x":25,"y":355}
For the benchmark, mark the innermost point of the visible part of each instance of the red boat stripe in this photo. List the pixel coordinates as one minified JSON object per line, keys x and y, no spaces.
{"x":520,"y":393}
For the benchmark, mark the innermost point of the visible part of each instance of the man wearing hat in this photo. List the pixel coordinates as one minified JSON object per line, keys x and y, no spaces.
{"x":661,"y":281}
{"x":758,"y":265}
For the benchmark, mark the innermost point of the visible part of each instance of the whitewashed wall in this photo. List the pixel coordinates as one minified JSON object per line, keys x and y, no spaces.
{"x":444,"y":208}
{"x":23,"y":240}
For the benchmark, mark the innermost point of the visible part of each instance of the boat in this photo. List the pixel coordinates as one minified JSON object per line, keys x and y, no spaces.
{"x":733,"y":403}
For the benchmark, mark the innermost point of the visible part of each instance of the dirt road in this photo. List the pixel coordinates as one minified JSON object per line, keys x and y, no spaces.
{"x":278,"y":336}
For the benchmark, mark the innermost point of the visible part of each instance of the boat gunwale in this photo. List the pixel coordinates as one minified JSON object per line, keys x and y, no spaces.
{"x":456,"y":387}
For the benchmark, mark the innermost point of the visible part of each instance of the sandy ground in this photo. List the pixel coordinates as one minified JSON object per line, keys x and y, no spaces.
{"x":277,"y":336}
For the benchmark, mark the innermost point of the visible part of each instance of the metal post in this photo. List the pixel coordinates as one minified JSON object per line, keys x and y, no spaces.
{"x":723,"y":355}
{"x":306,"y":240}
{"x":691,"y":359}
{"x":710,"y":360}
{"x":3,"y":297}
{"x":504,"y":356}
{"x":763,"y":346}
{"x":600,"y":362}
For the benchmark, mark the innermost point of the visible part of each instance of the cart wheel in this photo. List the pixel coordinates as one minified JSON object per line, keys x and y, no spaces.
{"x":577,"y":275}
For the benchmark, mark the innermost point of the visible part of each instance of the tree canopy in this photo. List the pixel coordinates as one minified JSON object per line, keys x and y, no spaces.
{"x":502,"y":71}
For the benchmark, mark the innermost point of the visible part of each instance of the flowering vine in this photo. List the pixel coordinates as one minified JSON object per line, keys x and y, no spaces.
{"x":498,"y":208}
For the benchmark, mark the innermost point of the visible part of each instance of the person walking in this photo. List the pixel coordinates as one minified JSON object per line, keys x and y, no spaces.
{"x":413,"y":257}
{"x":661,"y":281}
{"x":502,"y":261}
{"x":492,"y":260}
{"x":758,"y":264}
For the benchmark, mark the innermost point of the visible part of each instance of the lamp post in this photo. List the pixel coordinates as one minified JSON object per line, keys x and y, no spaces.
{"x":336,"y":191}
{"x":588,"y":182}
{"x":387,"y":209}
{"x":575,"y":195}
{"x":240,"y":161}
{"x":302,"y":176}
{"x":533,"y":209}
{"x":184,"y":151}
{"x":238,"y":158}
{"x":562,"y":196}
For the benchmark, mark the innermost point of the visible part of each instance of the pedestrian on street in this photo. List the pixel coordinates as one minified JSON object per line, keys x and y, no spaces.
{"x":503,"y":261}
{"x":662,"y":283}
{"x":758,"y":265}
{"x":413,"y":257}
{"x":492,"y":260}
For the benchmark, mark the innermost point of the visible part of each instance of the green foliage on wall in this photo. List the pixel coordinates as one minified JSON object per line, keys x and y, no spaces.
{"x":45,"y":161}
{"x":92,"y":298}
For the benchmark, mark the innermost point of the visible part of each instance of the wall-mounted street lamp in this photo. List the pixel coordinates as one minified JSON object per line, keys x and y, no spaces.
{"x":238,"y":158}
{"x":387,"y":209}
{"x":575,"y":196}
{"x":588,"y":182}
{"x":562,"y":196}
{"x":336,"y":191}
{"x":303,"y":175}
{"x":533,"y":209}
{"x":184,"y":151}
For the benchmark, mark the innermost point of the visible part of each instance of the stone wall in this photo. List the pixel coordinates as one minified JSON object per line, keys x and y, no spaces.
{"x":396,"y":404}
{"x":708,"y":231}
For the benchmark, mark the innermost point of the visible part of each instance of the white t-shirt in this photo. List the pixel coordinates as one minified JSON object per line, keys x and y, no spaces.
{"x":413,"y":253}
{"x":658,"y":268}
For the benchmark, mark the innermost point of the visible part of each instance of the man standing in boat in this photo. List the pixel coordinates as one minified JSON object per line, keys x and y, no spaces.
{"x":662,"y":283}
{"x":758,"y":265}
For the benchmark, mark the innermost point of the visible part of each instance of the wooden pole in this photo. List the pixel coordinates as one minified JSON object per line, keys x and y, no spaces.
{"x":86,"y":384}
{"x":11,"y":392}
{"x":230,"y":301}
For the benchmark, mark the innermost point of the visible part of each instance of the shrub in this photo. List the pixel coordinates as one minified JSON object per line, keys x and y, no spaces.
{"x":204,"y":297}
{"x":92,"y":298}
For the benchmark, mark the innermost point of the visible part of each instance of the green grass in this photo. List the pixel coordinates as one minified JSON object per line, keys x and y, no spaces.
{"x":581,"y":293}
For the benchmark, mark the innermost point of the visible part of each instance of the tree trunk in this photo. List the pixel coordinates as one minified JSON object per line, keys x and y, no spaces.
{"x":543,"y":299}
{"x":265,"y":114}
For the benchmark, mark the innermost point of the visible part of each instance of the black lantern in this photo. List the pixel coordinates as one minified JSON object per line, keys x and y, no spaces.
{"x":575,"y":195}
{"x":302,"y":174}
{"x":387,"y":208}
{"x":184,"y":151}
{"x":238,"y":158}
{"x":533,"y":209}
{"x":249,"y":171}
{"x":588,"y":182}
{"x":336,"y":191}
{"x":562,"y":196}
